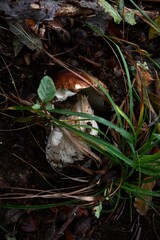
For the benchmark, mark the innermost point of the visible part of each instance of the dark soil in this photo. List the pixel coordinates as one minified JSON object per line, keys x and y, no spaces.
{"x":26,"y":178}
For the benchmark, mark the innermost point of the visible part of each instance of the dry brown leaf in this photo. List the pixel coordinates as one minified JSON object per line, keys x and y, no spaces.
{"x":142,"y":205}
{"x":143,"y":78}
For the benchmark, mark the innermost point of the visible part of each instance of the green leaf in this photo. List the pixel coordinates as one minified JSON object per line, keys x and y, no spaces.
{"x":98,"y":210}
{"x":120,"y":6}
{"x":49,"y":106}
{"x":46,"y":89}
{"x":36,"y":106}
{"x":130,"y":18}
{"x":109,"y":9}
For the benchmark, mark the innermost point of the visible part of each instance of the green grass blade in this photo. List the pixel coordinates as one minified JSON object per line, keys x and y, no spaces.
{"x":102,"y":144}
{"x":126,"y":70}
{"x":145,"y":15}
{"x":98,"y":119}
{"x":138,"y":191}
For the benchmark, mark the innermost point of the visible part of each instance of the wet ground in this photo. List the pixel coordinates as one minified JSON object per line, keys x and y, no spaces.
{"x":27,"y":181}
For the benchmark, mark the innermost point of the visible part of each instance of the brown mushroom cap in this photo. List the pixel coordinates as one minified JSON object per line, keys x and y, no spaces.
{"x":70,"y":81}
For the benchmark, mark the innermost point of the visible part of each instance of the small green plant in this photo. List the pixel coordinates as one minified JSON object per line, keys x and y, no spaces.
{"x":46,"y":92}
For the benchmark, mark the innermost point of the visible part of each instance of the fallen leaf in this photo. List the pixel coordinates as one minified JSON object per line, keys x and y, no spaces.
{"x":153,"y":32}
{"x":142,"y":205}
{"x":97,"y":209}
{"x":110,"y":10}
{"x":28,"y":39}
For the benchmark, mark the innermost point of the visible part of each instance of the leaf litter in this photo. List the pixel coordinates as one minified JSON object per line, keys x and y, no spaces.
{"x":62,"y":218}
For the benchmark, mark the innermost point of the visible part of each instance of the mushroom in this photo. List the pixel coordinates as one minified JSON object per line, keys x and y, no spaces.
{"x":69,"y":83}
{"x":62,"y":147}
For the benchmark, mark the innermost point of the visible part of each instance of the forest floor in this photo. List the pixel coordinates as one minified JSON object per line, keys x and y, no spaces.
{"x":28,"y":210}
